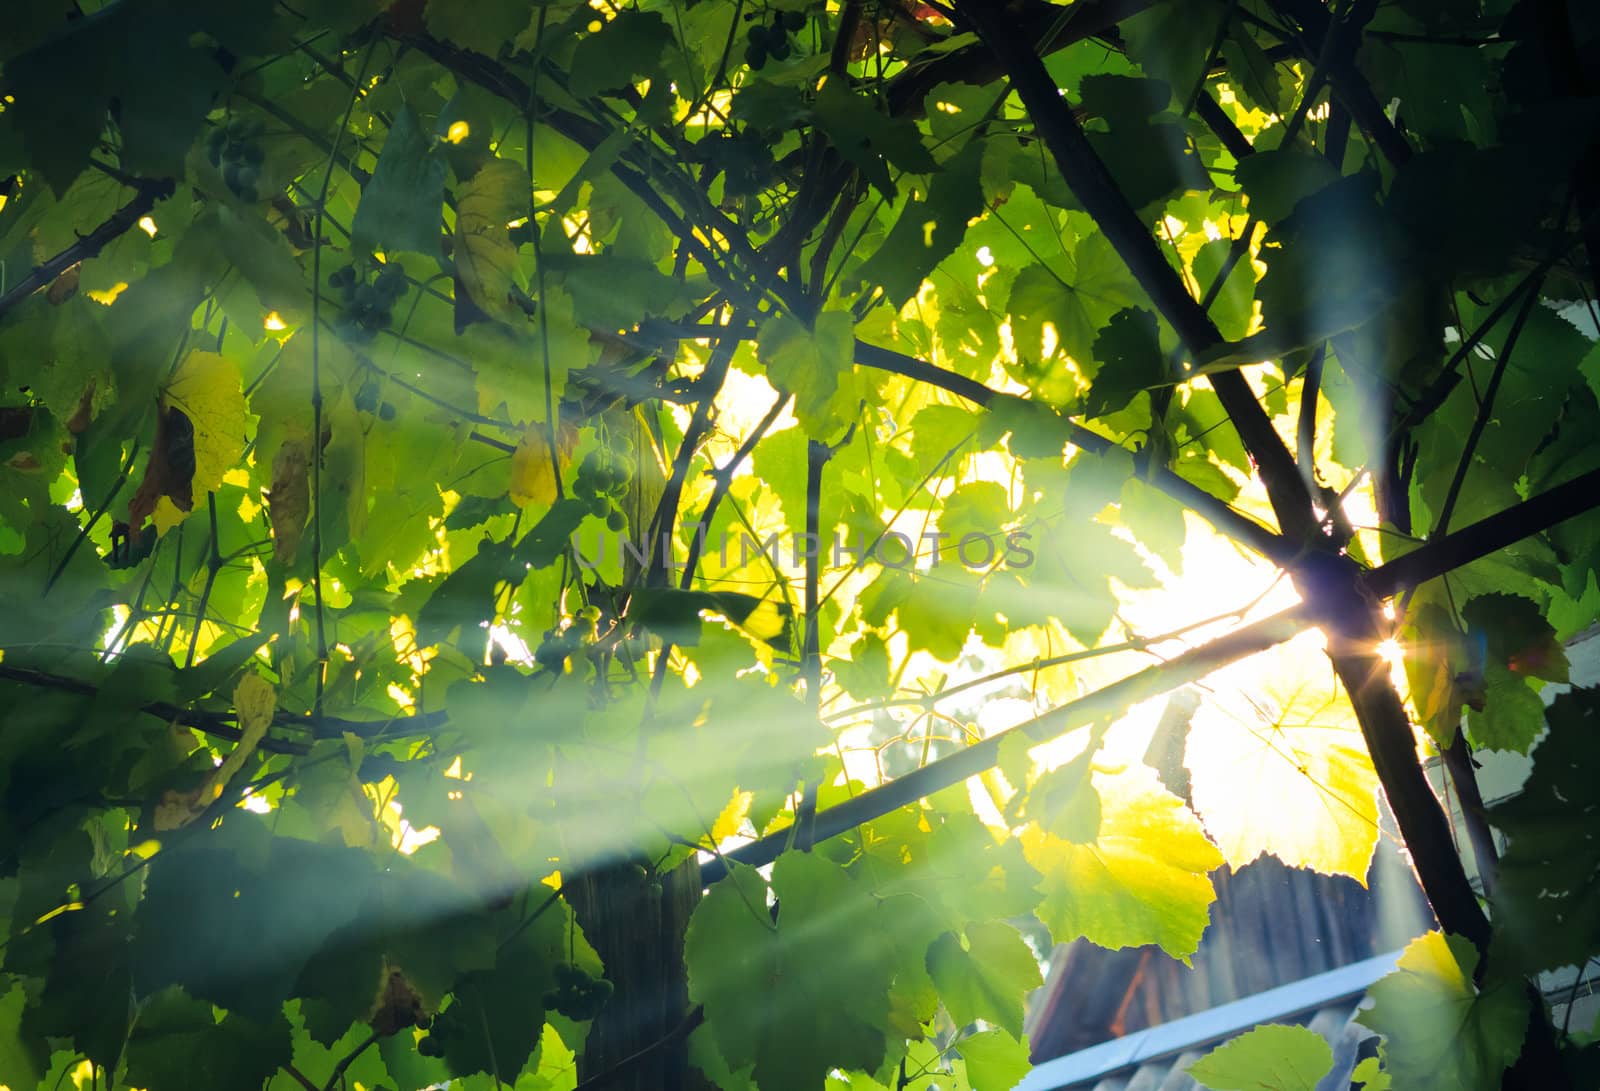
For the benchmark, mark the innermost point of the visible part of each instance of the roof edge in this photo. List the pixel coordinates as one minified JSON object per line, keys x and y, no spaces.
{"x":1212,"y":1025}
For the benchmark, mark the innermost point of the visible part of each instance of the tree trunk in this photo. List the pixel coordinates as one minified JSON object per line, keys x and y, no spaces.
{"x":639,"y":1041}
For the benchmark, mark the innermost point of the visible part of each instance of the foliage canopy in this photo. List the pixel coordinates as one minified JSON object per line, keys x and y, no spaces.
{"x":482,"y":479}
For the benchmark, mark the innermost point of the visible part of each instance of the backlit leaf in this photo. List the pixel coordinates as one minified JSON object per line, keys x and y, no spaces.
{"x":1438,"y":1027}
{"x":486,"y":260}
{"x":1268,"y":1058}
{"x":1144,"y":880}
{"x":1313,"y":799}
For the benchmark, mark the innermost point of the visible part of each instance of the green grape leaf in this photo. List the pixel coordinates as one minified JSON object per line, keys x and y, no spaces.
{"x":614,"y":293}
{"x":1328,"y":265}
{"x":1512,"y":712}
{"x":549,"y":538}
{"x":1371,"y":1075}
{"x":1171,"y":41}
{"x":1075,"y":305}
{"x":818,"y":964}
{"x":1155,"y":519}
{"x":400,"y":206}
{"x":483,"y":27}
{"x":929,"y":228}
{"x":984,"y":975}
{"x":265,"y":260}
{"x":994,"y":1060}
{"x":1144,"y":880}
{"x":1276,"y":181}
{"x":815,"y":365}
{"x":865,"y":675}
{"x":1254,"y":69}
{"x":1234,"y":307}
{"x":1268,"y":1058}
{"x":511,"y":363}
{"x":1515,"y":633}
{"x":496,"y":1019}
{"x":465,"y":599}
{"x":938,"y":430}
{"x":486,"y":260}
{"x":1439,"y":1029}
{"x":627,"y":48}
{"x":1129,"y":352}
{"x":24,"y":1056}
{"x":178,"y":1044}
{"x":1546,"y":902}
{"x":87,"y":996}
{"x":1064,"y":802}
{"x":1151,"y":160}
{"x":233,"y":915}
{"x":978,"y":508}
{"x":868,"y":138}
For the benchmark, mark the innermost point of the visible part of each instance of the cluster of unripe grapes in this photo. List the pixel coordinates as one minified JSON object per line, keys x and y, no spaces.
{"x":369,"y":399}
{"x":439,"y":1029}
{"x":235,"y":150}
{"x":602,"y":481}
{"x":368,"y":305}
{"x":559,"y":645}
{"x":577,"y":995}
{"x":772,"y":39}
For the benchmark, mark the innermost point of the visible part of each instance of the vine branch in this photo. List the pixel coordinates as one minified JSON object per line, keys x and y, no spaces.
{"x":147,"y":193}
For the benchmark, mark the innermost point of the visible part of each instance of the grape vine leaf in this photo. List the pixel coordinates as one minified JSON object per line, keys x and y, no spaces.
{"x":486,"y":260}
{"x":400,"y":206}
{"x":818,"y":963}
{"x":206,"y":389}
{"x":984,"y":974}
{"x":1516,"y":633}
{"x":1547,"y":905}
{"x":1511,"y":714}
{"x":1144,"y":880}
{"x":178,"y":1044}
{"x":1161,"y":39}
{"x":994,"y":1060}
{"x":233,"y":916}
{"x":868,"y":138}
{"x":497,"y":1018}
{"x":1129,"y":352}
{"x":816,"y":365}
{"x":1371,"y":1075}
{"x":265,"y":260}
{"x":1151,"y":159}
{"x":1313,"y":801}
{"x":929,"y":227}
{"x":1269,"y":1058}
{"x":626,"y":49}
{"x":1076,"y":301}
{"x":1441,"y":1030}
{"x":483,"y":26}
{"x":1276,"y":181}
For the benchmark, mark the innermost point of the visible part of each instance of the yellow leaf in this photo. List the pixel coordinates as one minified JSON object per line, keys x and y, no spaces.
{"x":486,"y":260}
{"x":206,"y":388}
{"x":1145,"y":879}
{"x":533,"y":472}
{"x":1313,"y":796}
{"x":254,"y":702}
{"x":732,"y":818}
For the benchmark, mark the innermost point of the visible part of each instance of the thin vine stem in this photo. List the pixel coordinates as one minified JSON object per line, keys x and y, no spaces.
{"x":316,"y":382}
